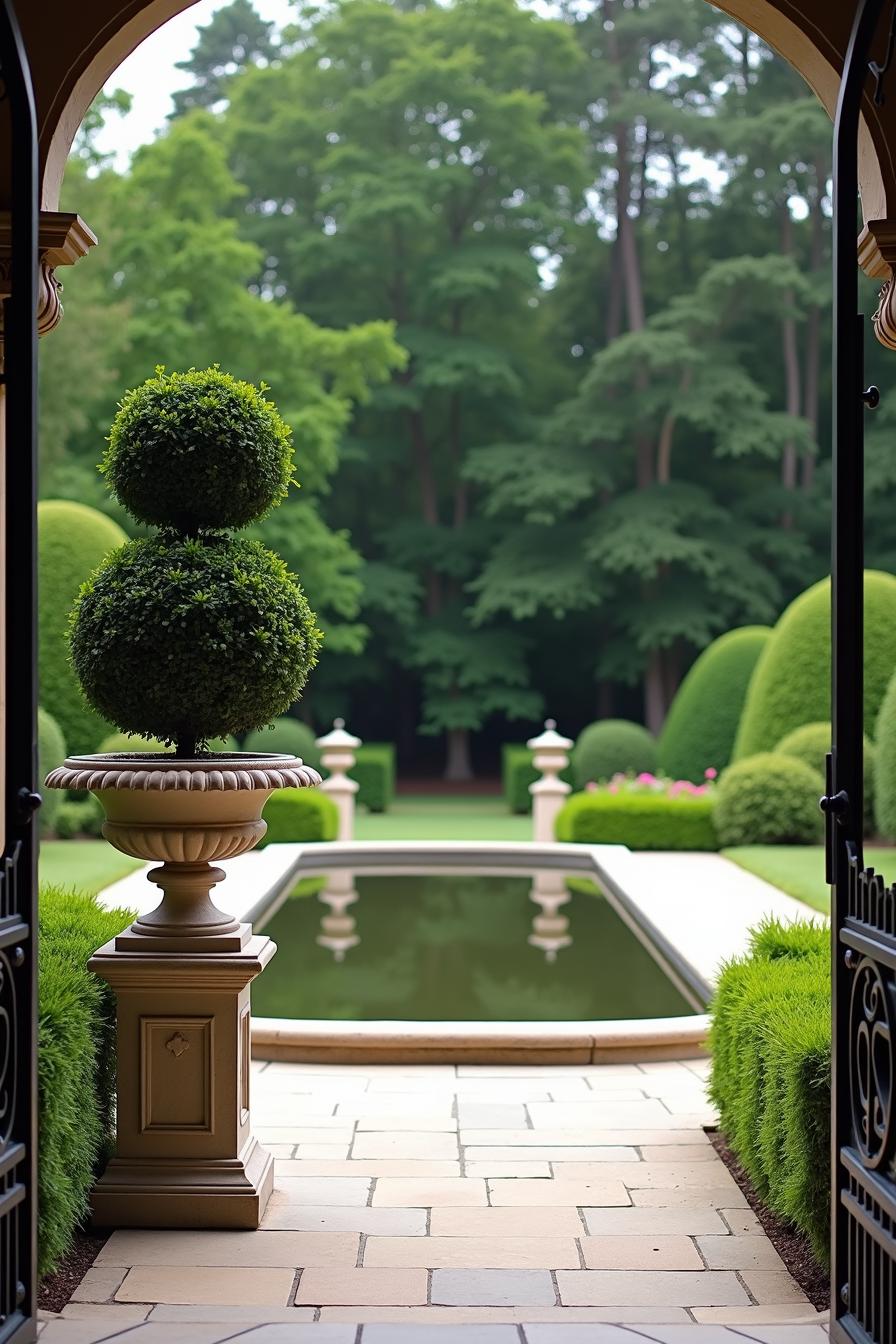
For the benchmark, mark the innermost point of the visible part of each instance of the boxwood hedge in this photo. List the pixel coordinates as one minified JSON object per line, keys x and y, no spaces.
{"x":639,"y":820}
{"x":296,"y":816}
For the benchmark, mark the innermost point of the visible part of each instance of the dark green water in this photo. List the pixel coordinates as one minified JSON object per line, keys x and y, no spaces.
{"x":434,"y":947}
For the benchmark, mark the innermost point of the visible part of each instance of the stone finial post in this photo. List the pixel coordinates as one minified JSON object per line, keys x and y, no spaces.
{"x":337,"y":753}
{"x":550,"y":756}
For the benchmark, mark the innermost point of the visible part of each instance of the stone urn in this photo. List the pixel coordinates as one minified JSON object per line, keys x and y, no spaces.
{"x":185,"y":814}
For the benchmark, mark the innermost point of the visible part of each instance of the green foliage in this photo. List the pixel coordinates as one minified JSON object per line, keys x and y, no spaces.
{"x":701,"y":725}
{"x":610,"y":747}
{"x":885,"y":764}
{"x":290,"y":736}
{"x":50,"y":753}
{"x":76,"y":1063}
{"x":771,"y":1052}
{"x":811,"y":744}
{"x":187,"y":640}
{"x":641,"y":821}
{"x":83,"y":816}
{"x":374,"y":770}
{"x":124,"y":742}
{"x":72,"y":540}
{"x":792,"y":680}
{"x":299,"y":816}
{"x":518,"y":772}
{"x":769,"y":799}
{"x":198,"y":450}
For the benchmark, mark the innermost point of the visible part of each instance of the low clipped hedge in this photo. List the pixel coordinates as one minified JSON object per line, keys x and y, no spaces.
{"x":769,"y":799}
{"x":612,"y":747}
{"x":297,"y":816}
{"x":290,"y":736}
{"x":374,"y":770}
{"x":79,"y":816}
{"x":770,"y":1040}
{"x":518,"y":772}
{"x":76,"y":1063}
{"x":50,"y":753}
{"x":641,"y":821}
{"x":811,"y":744}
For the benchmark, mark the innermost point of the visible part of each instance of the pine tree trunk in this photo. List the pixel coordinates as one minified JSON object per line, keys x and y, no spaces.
{"x":458,"y":765}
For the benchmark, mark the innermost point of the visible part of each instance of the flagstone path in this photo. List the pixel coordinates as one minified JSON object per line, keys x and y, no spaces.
{"x":465,"y":1205}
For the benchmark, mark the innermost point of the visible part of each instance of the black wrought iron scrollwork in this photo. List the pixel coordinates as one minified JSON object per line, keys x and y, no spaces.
{"x":879,"y":68}
{"x":872,"y":1064}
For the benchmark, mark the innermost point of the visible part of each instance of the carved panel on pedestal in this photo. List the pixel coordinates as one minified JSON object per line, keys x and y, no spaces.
{"x":176,"y":1075}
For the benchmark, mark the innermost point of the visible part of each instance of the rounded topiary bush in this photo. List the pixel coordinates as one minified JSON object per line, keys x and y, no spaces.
{"x":189,"y":639}
{"x":701,"y":725}
{"x":50,"y":753}
{"x":72,"y":540}
{"x":811,"y":744}
{"x":198,"y":450}
{"x":792,"y":681}
{"x":885,"y":765}
{"x":769,"y":799}
{"x":289,"y":736}
{"x":610,"y":747}
{"x":297,"y":816}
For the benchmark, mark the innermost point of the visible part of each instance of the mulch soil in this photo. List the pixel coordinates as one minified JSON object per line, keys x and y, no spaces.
{"x":791,"y":1245}
{"x":56,"y":1289}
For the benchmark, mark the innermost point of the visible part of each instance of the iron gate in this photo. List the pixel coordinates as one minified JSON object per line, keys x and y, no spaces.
{"x":863,"y":910}
{"x":18,"y":900}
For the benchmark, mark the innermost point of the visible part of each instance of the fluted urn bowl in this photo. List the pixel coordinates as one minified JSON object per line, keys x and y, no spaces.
{"x":186,"y":814}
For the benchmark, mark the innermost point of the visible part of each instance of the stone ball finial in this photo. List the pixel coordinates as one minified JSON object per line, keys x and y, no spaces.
{"x":339,"y":723}
{"x":550,"y":724}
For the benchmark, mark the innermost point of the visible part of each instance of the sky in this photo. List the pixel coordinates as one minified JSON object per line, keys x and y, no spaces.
{"x":149,"y":74}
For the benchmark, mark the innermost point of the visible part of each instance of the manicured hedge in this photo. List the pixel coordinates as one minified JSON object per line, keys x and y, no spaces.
{"x":79,"y":816}
{"x":769,"y":799}
{"x":287,"y":735}
{"x":641,"y":821}
{"x":792,"y":681}
{"x":374,"y":769}
{"x":610,"y":747}
{"x":72,"y":540}
{"x":50,"y":753}
{"x":518,"y":772}
{"x":297,"y":816}
{"x":76,"y":1063}
{"x":811,"y":744}
{"x":885,"y":765}
{"x":771,"y":1066}
{"x":701,"y":725}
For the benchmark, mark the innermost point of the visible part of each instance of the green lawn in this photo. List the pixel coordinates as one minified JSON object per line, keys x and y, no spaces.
{"x":799,"y":869}
{"x":425,"y":817}
{"x":88,"y":865}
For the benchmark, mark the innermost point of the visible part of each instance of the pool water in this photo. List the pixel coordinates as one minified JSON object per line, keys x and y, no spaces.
{"x":458,"y":948}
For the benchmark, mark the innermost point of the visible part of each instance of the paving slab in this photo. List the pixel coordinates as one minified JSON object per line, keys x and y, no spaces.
{"x":492,"y":1288}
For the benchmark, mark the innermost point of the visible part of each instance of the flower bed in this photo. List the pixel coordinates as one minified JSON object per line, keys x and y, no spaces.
{"x":644,"y":811}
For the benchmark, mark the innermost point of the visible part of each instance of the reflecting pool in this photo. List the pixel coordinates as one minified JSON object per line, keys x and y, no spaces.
{"x":459,"y":947}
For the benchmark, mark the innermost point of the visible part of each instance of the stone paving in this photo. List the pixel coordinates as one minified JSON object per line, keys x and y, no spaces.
{"x":478,"y":1204}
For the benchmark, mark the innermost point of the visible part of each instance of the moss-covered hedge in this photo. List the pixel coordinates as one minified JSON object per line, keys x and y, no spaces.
{"x":702,"y":722}
{"x":297,"y":816}
{"x":792,"y":681}
{"x":72,"y":540}
{"x":50,"y":753}
{"x":76,"y":1063}
{"x":771,"y":1071}
{"x":286,"y":735}
{"x":641,"y":821}
{"x":769,"y":799}
{"x":610,"y":747}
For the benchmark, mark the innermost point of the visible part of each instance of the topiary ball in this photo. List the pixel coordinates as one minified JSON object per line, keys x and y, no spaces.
{"x":811,"y":744}
{"x":51,"y":752}
{"x":885,"y":764}
{"x":288,"y":736}
{"x":189,"y":639}
{"x":769,"y":799}
{"x":610,"y":747}
{"x":198,"y":450}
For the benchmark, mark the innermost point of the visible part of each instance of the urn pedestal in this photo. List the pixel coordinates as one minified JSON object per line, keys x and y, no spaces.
{"x":185,"y":1155}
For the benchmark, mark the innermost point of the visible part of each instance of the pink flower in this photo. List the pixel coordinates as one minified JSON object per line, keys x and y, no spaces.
{"x":591,"y":787}
{"x":612,"y":788}
{"x":646,"y":778}
{"x":710,"y":772}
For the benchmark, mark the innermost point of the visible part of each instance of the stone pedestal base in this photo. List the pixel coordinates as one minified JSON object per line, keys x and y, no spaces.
{"x":185,"y":1155}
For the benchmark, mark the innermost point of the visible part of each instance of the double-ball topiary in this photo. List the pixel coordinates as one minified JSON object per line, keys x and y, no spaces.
{"x":192,"y":634}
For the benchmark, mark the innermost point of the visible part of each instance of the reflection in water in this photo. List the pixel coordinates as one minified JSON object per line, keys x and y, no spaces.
{"x":461,"y":947}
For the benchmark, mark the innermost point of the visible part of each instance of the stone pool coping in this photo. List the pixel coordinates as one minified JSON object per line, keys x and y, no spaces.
{"x":691,"y":911}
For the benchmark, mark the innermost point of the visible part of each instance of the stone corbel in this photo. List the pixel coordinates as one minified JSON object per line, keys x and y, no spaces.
{"x":62,"y":239}
{"x":877,"y":258}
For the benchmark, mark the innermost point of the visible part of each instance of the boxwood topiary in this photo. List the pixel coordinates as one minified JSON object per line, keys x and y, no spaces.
{"x":609,"y":747}
{"x":792,"y":681}
{"x":191,"y":634}
{"x":812,"y":742}
{"x":885,"y":765}
{"x":296,"y":816}
{"x":769,"y":799}
{"x":198,"y":450}
{"x":50,"y":753}
{"x":289,"y":736}
{"x":701,"y":725}
{"x":72,"y":540}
